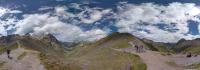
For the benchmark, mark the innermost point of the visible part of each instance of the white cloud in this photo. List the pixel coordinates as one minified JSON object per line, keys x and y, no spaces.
{"x":139,"y":20}
{"x":61,"y":11}
{"x":94,"y":15}
{"x":2,"y":30}
{"x":94,"y":34}
{"x":41,"y":24}
{"x":131,"y":18}
{"x":7,"y":23}
{"x":3,"y":11}
{"x":45,"y":8}
{"x":50,"y":22}
{"x":15,"y":11}
{"x":75,"y":5}
{"x":86,"y":15}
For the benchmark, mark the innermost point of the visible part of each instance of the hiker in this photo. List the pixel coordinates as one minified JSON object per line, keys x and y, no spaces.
{"x":141,"y":48}
{"x":8,"y":53}
{"x":137,"y":48}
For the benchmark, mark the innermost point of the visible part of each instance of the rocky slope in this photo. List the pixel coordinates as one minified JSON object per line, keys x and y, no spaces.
{"x":156,"y":46}
{"x":188,"y":46}
{"x":50,"y":51}
{"x":102,"y":55}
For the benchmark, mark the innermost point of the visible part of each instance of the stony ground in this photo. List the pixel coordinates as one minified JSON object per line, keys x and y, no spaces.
{"x":22,"y":59}
{"x":156,"y":61}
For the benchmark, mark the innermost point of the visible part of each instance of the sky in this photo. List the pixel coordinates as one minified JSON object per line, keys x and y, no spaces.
{"x":91,"y":20}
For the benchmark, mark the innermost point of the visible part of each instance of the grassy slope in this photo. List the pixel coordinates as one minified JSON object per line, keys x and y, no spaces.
{"x":5,"y":48}
{"x":194,"y":66}
{"x":159,"y":48}
{"x":96,"y":56}
{"x":188,"y":46}
{"x":193,"y":50}
{"x":51,"y":56}
{"x":102,"y":56}
{"x":53,"y":62}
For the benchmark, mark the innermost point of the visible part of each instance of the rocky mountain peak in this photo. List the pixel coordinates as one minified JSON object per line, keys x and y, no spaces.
{"x":181,"y":40}
{"x":9,"y":39}
{"x":197,"y":39}
{"x":50,"y":37}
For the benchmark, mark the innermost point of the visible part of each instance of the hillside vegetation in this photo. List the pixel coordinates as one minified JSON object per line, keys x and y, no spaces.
{"x":50,"y":52}
{"x":188,"y":46}
{"x":102,"y":56}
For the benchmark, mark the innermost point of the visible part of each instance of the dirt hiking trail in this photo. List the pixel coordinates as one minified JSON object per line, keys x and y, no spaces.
{"x":156,"y":61}
{"x":22,"y":59}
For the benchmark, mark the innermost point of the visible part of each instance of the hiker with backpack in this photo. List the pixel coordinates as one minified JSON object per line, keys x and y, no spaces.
{"x":141,"y":48}
{"x":137,"y":48}
{"x":8,"y":53}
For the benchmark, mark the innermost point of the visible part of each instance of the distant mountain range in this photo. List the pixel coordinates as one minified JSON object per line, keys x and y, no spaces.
{"x":98,"y":55}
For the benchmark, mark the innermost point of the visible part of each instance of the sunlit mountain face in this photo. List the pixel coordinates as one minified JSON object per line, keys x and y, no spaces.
{"x":90,"y":20}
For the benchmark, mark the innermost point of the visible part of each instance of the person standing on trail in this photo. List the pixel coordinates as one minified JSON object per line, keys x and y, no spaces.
{"x":8,"y":53}
{"x":137,"y":48}
{"x":142,"y":48}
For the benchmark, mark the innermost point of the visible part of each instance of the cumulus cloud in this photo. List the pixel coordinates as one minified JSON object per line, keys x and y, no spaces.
{"x":141,"y":20}
{"x":94,"y":15}
{"x":86,"y":15}
{"x":8,"y":22}
{"x":4,"y":11}
{"x":52,"y":22}
{"x":94,"y":34}
{"x":41,"y":24}
{"x":2,"y":31}
{"x":62,"y":11}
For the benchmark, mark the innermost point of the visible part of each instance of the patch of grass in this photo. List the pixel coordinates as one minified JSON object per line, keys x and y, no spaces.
{"x":5,"y":48}
{"x":150,"y":46}
{"x":115,"y":40}
{"x":194,"y":66}
{"x":2,"y":63}
{"x":52,"y":62}
{"x":120,"y":44}
{"x":101,"y":55}
{"x":171,"y":63}
{"x":165,"y":53}
{"x":193,"y":50}
{"x":106,"y":59}
{"x":22,"y":56}
{"x":157,"y":47}
{"x":162,"y":49}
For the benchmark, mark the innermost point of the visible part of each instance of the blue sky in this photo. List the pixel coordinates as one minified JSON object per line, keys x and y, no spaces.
{"x":78,"y":20}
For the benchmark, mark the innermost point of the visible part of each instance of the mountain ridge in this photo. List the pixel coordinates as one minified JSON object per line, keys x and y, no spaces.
{"x":54,"y":56}
{"x":51,"y":40}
